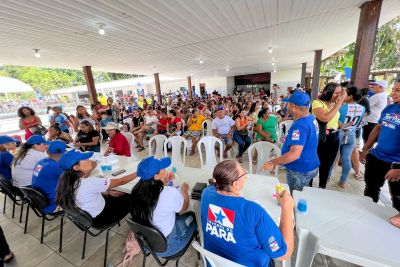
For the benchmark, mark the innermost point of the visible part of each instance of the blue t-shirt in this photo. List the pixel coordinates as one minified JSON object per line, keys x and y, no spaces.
{"x":303,"y":132}
{"x":239,"y":230}
{"x":388,"y":147}
{"x":45,"y":178}
{"x":103,"y":123}
{"x":5,"y":164}
{"x":62,"y":121}
{"x":352,"y":115}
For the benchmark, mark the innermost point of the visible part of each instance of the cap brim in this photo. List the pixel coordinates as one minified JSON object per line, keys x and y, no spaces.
{"x":287,"y":100}
{"x":165,"y":163}
{"x":85,"y":155}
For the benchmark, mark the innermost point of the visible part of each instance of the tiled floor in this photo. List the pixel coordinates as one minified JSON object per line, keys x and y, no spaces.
{"x":29,"y":251}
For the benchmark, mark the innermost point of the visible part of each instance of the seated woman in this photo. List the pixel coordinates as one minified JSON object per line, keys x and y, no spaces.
{"x":195,"y":126}
{"x":77,"y":188}
{"x":28,"y":155}
{"x":6,"y":144}
{"x":87,"y":138}
{"x":266,"y":126}
{"x":241,"y":134}
{"x":156,"y":204}
{"x":55,"y":133}
{"x":241,"y":230}
{"x":118,"y":143}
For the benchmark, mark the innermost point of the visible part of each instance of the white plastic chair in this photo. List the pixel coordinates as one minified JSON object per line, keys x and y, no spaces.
{"x":131,"y":141}
{"x":265,"y":150}
{"x":209,"y":143}
{"x":159,"y":141}
{"x":207,"y":131}
{"x":276,"y":108}
{"x":178,"y":157}
{"x":283,"y":125}
{"x":214,"y":259}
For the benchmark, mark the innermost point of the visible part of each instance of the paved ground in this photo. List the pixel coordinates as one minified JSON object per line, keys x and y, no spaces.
{"x":29,"y":251}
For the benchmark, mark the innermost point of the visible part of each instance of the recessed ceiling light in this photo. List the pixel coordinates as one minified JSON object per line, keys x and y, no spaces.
{"x":273,"y":63}
{"x":201,"y":61}
{"x":270,"y":49}
{"x":274,"y":70}
{"x":101,"y":26}
{"x":37,"y":52}
{"x":227,"y":68}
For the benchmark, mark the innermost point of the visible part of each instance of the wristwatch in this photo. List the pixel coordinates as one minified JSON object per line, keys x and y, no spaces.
{"x":395,"y":165}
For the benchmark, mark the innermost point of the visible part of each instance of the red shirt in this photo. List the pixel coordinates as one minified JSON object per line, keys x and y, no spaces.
{"x":120,"y":145}
{"x":162,"y":121}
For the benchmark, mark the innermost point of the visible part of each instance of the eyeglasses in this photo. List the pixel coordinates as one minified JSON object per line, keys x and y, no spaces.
{"x":246,"y":176}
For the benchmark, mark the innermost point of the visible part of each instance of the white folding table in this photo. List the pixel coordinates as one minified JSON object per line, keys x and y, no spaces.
{"x":345,"y":226}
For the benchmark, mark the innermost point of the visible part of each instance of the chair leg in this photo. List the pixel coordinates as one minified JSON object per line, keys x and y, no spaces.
{"x":42,"y":233}
{"x":84,"y":245}
{"x":13,"y":211}
{"x":106,"y":248}
{"x":177,"y":262}
{"x":26,"y":219}
{"x":144,"y":260}
{"x":20,"y":214}
{"x":61,"y":233}
{"x":4,"y":203}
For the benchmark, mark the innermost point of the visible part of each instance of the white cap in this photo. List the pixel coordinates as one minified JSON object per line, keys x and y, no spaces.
{"x":382,"y":83}
{"x":111,"y":126}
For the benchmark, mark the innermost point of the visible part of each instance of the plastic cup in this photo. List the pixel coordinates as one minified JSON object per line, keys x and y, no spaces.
{"x":302,"y":205}
{"x":109,"y":168}
{"x":174,"y":169}
{"x":103,"y":169}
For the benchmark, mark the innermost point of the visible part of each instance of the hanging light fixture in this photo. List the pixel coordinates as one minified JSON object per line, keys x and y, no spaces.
{"x":273,"y":63}
{"x":101,"y":27}
{"x":154,"y":68}
{"x":201,"y":61}
{"x":37,"y":52}
{"x":270,"y":49}
{"x":227,"y":68}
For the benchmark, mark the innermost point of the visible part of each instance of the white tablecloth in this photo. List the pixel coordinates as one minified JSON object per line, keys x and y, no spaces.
{"x":345,"y":226}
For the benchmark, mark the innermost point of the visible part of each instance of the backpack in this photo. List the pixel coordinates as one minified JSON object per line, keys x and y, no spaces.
{"x":131,"y":249}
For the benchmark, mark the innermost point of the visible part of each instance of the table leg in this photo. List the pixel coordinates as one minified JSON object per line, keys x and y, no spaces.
{"x":307,"y":248}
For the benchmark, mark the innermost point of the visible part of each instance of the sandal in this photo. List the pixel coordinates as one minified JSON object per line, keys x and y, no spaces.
{"x":9,"y":257}
{"x":359,"y":177}
{"x":140,"y":149}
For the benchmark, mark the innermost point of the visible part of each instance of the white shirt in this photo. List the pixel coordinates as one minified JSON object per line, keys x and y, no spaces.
{"x":169,"y":203}
{"x":88,"y":195}
{"x":377,"y":102}
{"x":149,"y":119}
{"x":223,"y":126}
{"x":22,"y":172}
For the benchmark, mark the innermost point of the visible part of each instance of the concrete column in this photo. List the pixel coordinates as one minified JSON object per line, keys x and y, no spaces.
{"x":366,"y":35}
{"x":316,"y":72}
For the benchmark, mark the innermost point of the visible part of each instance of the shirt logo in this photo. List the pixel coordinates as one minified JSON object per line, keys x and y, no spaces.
{"x":220,"y":223}
{"x":392,"y":119}
{"x":296,"y":135}
{"x":37,"y":170}
{"x":273,"y":245}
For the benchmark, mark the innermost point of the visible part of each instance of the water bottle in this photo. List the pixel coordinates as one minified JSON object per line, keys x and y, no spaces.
{"x":170,"y":182}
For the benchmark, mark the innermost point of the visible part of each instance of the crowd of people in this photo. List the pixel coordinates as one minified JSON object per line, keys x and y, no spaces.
{"x":58,"y":160}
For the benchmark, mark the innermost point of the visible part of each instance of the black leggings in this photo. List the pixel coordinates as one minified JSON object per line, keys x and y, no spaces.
{"x":375,"y":171}
{"x":327,"y":152}
{"x":4,"y":249}
{"x":367,"y":129}
{"x":116,"y":209}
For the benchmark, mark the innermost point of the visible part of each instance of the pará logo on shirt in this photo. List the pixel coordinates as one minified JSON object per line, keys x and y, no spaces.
{"x":37,"y":170}
{"x":220,"y":223}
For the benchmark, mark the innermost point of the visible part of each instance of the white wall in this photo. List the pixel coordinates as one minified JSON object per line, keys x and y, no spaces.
{"x":286,"y":78}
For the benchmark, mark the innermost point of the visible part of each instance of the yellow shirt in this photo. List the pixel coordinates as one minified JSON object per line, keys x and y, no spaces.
{"x":197,"y":123}
{"x":334,"y":122}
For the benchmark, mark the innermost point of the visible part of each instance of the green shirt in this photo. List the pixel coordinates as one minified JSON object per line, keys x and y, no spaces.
{"x":268,"y":126}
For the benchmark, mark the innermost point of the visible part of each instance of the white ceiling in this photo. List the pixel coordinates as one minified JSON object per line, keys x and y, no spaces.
{"x":174,"y":34}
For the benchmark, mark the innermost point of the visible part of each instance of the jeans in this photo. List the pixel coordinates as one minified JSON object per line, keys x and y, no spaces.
{"x":347,"y":144}
{"x":244,"y":141}
{"x":375,"y":171}
{"x":297,"y":180}
{"x":185,"y":226}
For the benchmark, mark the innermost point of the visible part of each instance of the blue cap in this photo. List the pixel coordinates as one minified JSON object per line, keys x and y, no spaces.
{"x":72,"y":157}
{"x":36,"y":139}
{"x":220,"y":108}
{"x":56,"y":147}
{"x":150,"y":166}
{"x":298,"y":98}
{"x":4,"y":139}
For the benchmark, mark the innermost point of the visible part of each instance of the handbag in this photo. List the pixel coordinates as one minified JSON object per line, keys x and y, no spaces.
{"x":243,"y":132}
{"x":38,"y":129}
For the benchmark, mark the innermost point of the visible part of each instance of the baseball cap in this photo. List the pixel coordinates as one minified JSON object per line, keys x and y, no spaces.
{"x":382,"y":83}
{"x":36,"y":139}
{"x":220,"y":108}
{"x":150,"y":166}
{"x":72,"y":157}
{"x":56,"y":147}
{"x":201,"y":106}
{"x":298,"y":98}
{"x":111,"y":126}
{"x":4,"y":139}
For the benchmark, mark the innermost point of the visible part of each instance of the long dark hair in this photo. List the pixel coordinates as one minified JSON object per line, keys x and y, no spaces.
{"x":262,"y":112}
{"x":328,"y":91}
{"x":225,"y":173}
{"x":67,"y":185}
{"x":144,"y":200}
{"x":21,"y":153}
{"x":80,"y":116}
{"x":22,"y":115}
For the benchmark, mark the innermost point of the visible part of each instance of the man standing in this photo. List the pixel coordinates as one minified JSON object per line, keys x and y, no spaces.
{"x":383,"y":161}
{"x":223,"y":127}
{"x":299,"y":151}
{"x":377,"y":102}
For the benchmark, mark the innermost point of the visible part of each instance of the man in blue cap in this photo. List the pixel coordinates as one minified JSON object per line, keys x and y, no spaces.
{"x":299,"y":151}
{"x":47,"y":172}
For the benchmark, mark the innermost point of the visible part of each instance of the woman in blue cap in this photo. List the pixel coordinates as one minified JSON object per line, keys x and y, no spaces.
{"x":6,"y":144}
{"x":28,"y":155}
{"x":77,"y":188}
{"x":156,"y":204}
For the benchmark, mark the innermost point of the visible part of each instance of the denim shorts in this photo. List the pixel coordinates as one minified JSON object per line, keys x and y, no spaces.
{"x":227,"y":141}
{"x":297,"y":180}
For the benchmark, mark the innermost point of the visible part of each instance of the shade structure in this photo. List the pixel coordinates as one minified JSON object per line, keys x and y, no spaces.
{"x":11,"y":85}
